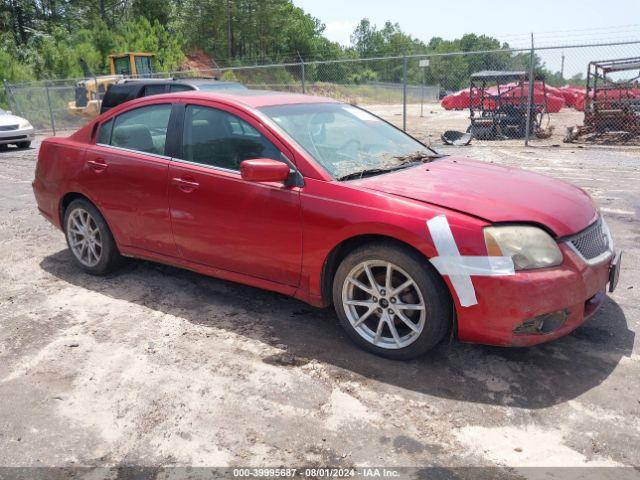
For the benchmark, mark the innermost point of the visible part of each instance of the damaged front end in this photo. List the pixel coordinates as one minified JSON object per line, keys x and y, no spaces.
{"x":543,"y":324}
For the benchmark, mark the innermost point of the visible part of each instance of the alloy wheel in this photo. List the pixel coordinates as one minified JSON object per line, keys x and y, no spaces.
{"x":85,"y":239}
{"x":384,"y":304}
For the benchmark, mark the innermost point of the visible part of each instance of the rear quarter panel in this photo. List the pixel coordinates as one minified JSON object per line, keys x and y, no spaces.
{"x":60,"y":160}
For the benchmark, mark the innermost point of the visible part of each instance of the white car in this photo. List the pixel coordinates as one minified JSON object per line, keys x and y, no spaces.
{"x":15,"y":130}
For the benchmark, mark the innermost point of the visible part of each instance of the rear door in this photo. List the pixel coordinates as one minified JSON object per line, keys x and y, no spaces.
{"x":221,"y":220}
{"x":126,"y":175}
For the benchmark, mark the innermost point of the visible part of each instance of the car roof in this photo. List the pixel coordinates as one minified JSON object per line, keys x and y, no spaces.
{"x":250,"y":98}
{"x":144,"y":81}
{"x":203,"y":81}
{"x":173,"y":81}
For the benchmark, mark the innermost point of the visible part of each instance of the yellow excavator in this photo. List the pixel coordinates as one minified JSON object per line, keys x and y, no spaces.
{"x":90,"y":90}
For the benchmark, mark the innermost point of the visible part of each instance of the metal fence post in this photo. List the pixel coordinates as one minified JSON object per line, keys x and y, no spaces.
{"x":53,"y":122}
{"x":422,"y":92}
{"x":530,"y":99}
{"x":424,"y":63}
{"x":11,"y":98}
{"x":404,"y":93}
{"x":302,"y":79}
{"x":7,"y":92}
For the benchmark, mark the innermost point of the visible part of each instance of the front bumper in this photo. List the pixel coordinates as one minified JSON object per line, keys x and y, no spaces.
{"x":568,"y":295}
{"x":17,"y":136}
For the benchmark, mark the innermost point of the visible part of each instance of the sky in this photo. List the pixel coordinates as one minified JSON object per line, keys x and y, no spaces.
{"x":450,"y":19}
{"x":553,"y":22}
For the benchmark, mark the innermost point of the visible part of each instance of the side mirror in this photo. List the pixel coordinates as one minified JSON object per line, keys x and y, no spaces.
{"x":264,"y":170}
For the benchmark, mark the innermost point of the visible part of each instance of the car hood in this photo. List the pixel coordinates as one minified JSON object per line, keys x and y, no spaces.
{"x":492,"y":192}
{"x":10,"y":120}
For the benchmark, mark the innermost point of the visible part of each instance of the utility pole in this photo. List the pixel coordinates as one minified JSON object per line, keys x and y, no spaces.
{"x":562,"y":66}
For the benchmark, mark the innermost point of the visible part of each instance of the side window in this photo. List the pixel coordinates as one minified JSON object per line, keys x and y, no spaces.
{"x":239,"y":127}
{"x":143,"y":129}
{"x":220,"y":139}
{"x":104,"y":134}
{"x":154,"y":89}
{"x":121,"y":66}
{"x":179,"y":88}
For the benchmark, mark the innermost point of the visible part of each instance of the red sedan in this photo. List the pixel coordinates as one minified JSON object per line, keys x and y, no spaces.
{"x":325,"y":202}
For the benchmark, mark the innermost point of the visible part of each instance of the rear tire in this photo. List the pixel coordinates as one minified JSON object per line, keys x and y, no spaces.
{"x":403,"y":313}
{"x":89,"y":238}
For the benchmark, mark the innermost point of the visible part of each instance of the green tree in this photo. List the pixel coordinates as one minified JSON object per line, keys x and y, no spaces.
{"x":152,"y":10}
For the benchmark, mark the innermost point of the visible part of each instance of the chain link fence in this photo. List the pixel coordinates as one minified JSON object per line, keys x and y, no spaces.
{"x":586,"y":94}
{"x":542,"y":96}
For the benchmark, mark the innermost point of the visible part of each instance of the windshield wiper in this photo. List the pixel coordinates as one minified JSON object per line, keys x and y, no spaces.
{"x":405,"y":161}
{"x":423,"y":157}
{"x":375,"y":171}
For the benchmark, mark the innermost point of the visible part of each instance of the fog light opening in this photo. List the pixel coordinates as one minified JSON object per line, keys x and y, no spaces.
{"x":542,"y":324}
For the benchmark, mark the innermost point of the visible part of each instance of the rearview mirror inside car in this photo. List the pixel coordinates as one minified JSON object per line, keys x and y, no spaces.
{"x":264,"y":170}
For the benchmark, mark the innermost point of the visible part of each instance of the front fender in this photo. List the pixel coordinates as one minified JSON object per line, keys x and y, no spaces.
{"x":334,"y":213}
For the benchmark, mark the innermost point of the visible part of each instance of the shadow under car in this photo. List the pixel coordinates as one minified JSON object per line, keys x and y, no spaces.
{"x":531,"y":377}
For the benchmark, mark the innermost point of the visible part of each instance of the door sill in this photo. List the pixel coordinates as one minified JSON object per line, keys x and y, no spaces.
{"x":242,"y":278}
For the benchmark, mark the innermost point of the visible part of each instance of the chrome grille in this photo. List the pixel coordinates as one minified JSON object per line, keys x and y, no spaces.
{"x":593,"y":241}
{"x":5,"y":128}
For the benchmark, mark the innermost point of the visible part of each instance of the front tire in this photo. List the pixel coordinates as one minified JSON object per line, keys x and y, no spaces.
{"x":391,"y":301}
{"x":89,"y":238}
{"x":23,"y":144}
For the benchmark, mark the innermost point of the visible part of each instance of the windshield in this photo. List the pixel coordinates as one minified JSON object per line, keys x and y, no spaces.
{"x":346,"y":140}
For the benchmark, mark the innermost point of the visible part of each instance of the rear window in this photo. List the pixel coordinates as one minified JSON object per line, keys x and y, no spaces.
{"x":180,"y":88}
{"x":117,"y":94}
{"x":155,"y":89}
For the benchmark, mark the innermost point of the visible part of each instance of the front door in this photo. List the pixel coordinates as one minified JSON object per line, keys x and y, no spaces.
{"x":221,"y":220}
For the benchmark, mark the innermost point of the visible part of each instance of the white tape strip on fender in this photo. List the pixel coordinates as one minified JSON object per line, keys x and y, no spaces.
{"x":460,"y":269}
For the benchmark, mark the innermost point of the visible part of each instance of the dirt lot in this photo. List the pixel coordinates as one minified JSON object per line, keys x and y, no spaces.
{"x":157,"y":366}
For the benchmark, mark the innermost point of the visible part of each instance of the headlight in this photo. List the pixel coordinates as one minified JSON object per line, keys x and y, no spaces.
{"x":25,"y":124}
{"x":529,"y":247}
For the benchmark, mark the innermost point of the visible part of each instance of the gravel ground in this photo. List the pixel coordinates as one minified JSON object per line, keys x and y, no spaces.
{"x":156,"y":366}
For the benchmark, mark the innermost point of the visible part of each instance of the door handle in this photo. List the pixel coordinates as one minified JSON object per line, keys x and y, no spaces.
{"x":98,"y":165}
{"x":185,"y":185}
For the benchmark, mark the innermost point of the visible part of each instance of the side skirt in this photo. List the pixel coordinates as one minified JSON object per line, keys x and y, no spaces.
{"x":289,"y":290}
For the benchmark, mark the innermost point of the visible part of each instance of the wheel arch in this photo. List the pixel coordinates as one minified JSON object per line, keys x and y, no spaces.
{"x":346,"y":246}
{"x":66,"y":200}
{"x":69,"y":197}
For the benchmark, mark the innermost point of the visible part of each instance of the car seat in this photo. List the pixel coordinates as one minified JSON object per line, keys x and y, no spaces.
{"x":135,"y":137}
